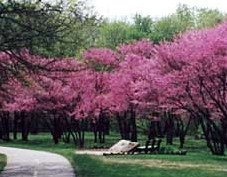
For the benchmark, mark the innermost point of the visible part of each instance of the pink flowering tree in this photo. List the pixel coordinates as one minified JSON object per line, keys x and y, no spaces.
{"x":183,"y":81}
{"x":48,"y":90}
{"x":95,"y":96}
{"x":131,"y":83}
{"x":194,"y":77}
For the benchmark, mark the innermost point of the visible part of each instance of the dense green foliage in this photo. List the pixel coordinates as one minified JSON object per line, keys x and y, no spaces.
{"x":113,"y":33}
{"x":80,"y":32}
{"x":48,"y":28}
{"x":28,"y":24}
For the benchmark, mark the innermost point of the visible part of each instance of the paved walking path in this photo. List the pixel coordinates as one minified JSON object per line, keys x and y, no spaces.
{"x":30,"y":163}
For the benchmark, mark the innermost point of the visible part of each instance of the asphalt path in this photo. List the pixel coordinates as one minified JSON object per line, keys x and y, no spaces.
{"x":31,"y":163}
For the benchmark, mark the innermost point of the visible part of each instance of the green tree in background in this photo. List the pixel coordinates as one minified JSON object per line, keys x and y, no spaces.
{"x":185,"y":18}
{"x":113,"y":33}
{"x":143,"y":24}
{"x":80,"y":34}
{"x":53,"y":29}
{"x":209,"y":18}
{"x":29,"y":24}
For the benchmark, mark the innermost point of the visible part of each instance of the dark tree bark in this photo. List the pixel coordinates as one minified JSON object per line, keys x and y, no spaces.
{"x":169,"y":127}
{"x":182,"y":129}
{"x":15,"y":124}
{"x":5,"y":125}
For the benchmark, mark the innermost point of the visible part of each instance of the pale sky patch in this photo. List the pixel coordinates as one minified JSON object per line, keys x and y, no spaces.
{"x":119,"y":9}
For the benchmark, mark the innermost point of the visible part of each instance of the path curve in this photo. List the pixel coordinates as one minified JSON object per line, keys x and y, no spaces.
{"x":31,"y":163}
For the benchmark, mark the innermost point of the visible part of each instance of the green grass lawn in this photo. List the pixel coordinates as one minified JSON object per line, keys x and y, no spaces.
{"x":2,"y":161}
{"x":90,"y":166}
{"x":197,"y":163}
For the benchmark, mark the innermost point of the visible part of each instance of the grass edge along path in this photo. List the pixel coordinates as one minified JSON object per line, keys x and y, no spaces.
{"x":3,"y":162}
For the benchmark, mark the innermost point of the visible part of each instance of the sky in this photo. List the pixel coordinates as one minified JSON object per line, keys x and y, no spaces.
{"x":119,"y":9}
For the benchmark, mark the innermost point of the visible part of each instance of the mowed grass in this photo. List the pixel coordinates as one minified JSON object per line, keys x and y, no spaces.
{"x":93,"y":167}
{"x":197,"y":163}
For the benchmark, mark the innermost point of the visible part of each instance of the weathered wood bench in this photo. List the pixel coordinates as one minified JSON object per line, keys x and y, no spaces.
{"x":152,"y":145}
